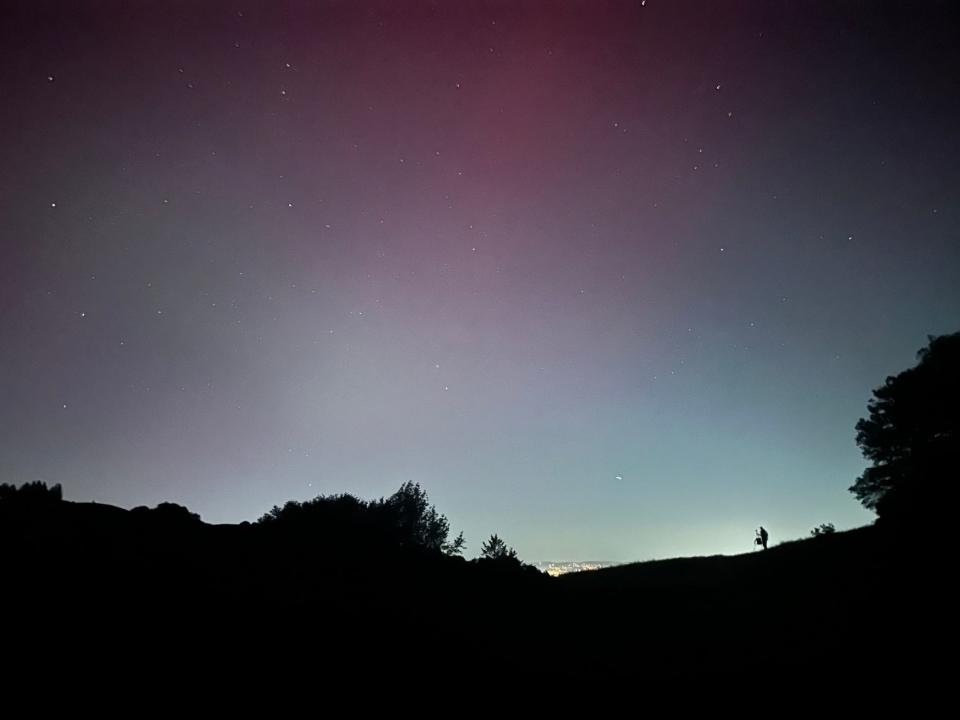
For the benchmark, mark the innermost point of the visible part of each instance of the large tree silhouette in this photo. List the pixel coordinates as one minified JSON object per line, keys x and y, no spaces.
{"x":911,"y":437}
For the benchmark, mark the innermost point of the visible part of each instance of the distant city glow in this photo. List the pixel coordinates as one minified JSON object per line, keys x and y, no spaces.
{"x":555,"y":569}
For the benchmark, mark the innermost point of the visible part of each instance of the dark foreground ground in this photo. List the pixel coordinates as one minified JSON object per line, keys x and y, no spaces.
{"x":100,"y":592}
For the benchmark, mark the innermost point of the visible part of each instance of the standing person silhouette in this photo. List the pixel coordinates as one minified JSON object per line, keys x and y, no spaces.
{"x":763,"y":537}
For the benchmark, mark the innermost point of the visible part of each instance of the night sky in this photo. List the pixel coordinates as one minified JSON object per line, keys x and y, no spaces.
{"x":612,"y":280}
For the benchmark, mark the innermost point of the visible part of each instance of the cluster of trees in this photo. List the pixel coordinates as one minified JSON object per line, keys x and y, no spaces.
{"x":31,"y":492}
{"x":406,"y":518}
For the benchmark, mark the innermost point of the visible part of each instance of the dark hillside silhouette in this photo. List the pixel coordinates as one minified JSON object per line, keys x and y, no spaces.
{"x":339,"y":581}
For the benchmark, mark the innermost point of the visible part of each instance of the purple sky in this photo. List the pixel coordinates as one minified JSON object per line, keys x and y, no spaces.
{"x":612,"y":280}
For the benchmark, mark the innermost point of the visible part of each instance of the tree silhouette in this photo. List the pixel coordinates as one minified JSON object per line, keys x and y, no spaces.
{"x":456,"y":546}
{"x":496,"y":549}
{"x":911,"y":437}
{"x":417,"y":521}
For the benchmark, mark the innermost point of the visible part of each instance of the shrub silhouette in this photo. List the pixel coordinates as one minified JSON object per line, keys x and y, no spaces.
{"x":167,"y":513}
{"x":823,"y":529}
